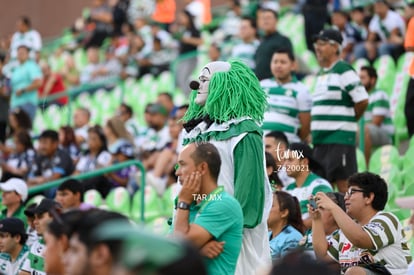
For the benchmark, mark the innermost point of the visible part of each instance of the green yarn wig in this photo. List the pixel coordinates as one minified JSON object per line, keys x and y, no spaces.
{"x":232,"y":94}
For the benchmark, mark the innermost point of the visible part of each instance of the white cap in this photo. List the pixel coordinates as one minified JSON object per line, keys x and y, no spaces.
{"x":15,"y":184}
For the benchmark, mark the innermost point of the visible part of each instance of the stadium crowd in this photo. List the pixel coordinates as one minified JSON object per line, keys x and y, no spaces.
{"x":324,"y":140}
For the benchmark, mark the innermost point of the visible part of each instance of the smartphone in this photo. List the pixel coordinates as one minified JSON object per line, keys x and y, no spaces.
{"x":313,"y":204}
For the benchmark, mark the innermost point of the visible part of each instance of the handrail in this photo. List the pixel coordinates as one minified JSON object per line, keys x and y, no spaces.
{"x":98,"y":172}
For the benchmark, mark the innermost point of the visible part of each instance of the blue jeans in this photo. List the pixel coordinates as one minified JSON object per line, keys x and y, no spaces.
{"x":30,"y":110}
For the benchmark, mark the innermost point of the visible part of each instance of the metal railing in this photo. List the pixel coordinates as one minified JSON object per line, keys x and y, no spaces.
{"x":99,"y":172}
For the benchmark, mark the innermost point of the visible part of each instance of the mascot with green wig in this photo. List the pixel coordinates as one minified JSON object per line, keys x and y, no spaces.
{"x":226,"y":109}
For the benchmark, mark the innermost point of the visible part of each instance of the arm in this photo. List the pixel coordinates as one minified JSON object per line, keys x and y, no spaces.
{"x":49,"y":84}
{"x":304,"y":119}
{"x":35,"y":85}
{"x":192,"y":232}
{"x":353,"y":231}
{"x":377,"y":120}
{"x":249,"y":178}
{"x":41,"y":179}
{"x":359,"y":108}
{"x":320,"y":245}
{"x":195,"y":41}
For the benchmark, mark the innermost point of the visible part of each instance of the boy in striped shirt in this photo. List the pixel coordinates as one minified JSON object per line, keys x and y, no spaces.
{"x":378,"y":123}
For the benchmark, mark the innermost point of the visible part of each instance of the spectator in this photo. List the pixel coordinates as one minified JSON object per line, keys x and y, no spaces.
{"x":99,"y":24}
{"x":407,"y":202}
{"x":219,"y":225}
{"x":315,"y":13}
{"x":4,"y":100}
{"x":272,"y":173}
{"x":70,"y":195}
{"x":70,"y":73}
{"x":369,"y":240}
{"x":126,"y":114}
{"x":34,"y":264}
{"x":298,"y":263}
{"x":285,"y":224}
{"x":25,"y":80}
{"x":67,"y":142}
{"x":25,"y":35}
{"x":87,"y":73}
{"x":32,"y":236}
{"x":119,"y":14}
{"x":276,"y":144}
{"x":51,"y":163}
{"x":21,"y":159}
{"x":271,"y":41}
{"x":246,"y":48}
{"x":285,"y":92}
{"x":81,"y":120}
{"x":214,"y":52}
{"x":95,"y":157}
{"x":14,"y":251}
{"x":116,"y":132}
{"x":359,"y":22}
{"x":164,"y":12}
{"x":300,"y":165}
{"x":14,"y":195}
{"x":123,"y":151}
{"x":409,"y":47}
{"x":18,"y":121}
{"x":334,"y":119}
{"x":166,"y":100}
{"x":386,"y":33}
{"x":190,"y":38}
{"x":158,"y":138}
{"x":350,"y":34}
{"x":378,"y":129}
{"x":56,"y":242}
{"x":86,"y":254}
{"x":158,"y":60}
{"x":159,"y":176}
{"x":52,"y":84}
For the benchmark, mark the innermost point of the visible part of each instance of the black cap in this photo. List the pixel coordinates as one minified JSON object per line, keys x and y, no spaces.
{"x":329,"y":34}
{"x":12,"y":226}
{"x":45,"y":205}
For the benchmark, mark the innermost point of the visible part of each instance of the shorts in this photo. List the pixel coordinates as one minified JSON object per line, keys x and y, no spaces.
{"x":378,"y":136}
{"x":338,"y":160}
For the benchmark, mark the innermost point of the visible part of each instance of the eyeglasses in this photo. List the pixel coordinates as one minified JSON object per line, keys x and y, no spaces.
{"x":350,"y":192}
{"x":323,"y":43}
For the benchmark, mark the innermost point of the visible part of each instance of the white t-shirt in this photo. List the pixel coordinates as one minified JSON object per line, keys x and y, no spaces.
{"x":88,"y":163}
{"x":30,"y":39}
{"x":383,"y":27}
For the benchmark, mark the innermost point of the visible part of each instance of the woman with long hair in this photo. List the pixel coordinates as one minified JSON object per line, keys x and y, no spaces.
{"x":67,"y":142}
{"x":285,"y":224}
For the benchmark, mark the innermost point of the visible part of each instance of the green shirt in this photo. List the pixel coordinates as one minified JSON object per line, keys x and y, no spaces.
{"x":19,"y":213}
{"x":336,"y":92}
{"x":221,"y":215}
{"x":35,"y":262}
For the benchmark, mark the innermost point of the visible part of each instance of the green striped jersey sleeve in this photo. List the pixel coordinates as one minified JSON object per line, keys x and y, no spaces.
{"x":382,"y":229}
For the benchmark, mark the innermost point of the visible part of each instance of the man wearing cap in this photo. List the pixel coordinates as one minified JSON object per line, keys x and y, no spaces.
{"x":13,"y":249}
{"x":300,"y":165}
{"x":34,"y":264}
{"x":339,"y":100}
{"x":13,"y":197}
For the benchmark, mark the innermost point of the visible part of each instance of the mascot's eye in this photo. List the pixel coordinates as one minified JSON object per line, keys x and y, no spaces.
{"x":203,"y":79}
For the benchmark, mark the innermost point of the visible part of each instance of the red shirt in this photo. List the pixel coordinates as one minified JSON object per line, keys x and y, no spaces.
{"x":57,"y":87}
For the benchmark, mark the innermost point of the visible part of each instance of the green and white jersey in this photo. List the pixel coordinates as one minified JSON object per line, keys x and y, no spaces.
{"x":391,"y":249}
{"x":35,"y":263}
{"x":312,"y":185}
{"x":245,"y":52}
{"x":337,"y":90}
{"x":12,"y":268}
{"x":285,"y":102}
{"x":379,"y":105}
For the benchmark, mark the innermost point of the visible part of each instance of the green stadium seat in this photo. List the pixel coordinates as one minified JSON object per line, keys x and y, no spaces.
{"x":383,"y":159}
{"x":93,"y":197}
{"x":361,"y":162}
{"x":118,"y":200}
{"x":360,"y":62}
{"x":386,"y":69}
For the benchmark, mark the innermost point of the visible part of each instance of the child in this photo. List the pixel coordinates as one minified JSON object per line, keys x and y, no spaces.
{"x":285,"y":223}
{"x":123,"y":151}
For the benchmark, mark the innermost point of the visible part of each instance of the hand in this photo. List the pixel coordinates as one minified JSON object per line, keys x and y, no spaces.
{"x":191,"y":186}
{"x":212,"y":249}
{"x":323,"y":201}
{"x":19,"y":92}
{"x":315,"y":214}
